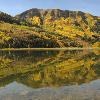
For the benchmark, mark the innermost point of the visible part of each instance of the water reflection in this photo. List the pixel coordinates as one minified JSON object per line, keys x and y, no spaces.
{"x":49,"y":68}
{"x":17,"y":91}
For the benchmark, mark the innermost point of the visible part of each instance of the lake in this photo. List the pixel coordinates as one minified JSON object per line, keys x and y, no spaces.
{"x":50,"y":75}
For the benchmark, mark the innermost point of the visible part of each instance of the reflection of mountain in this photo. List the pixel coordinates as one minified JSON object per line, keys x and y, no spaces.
{"x":49,"y":68}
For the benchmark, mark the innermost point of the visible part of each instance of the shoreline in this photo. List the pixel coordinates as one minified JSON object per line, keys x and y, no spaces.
{"x":24,"y":49}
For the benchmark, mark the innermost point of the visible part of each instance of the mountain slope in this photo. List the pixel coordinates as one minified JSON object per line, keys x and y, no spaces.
{"x":57,"y":13}
{"x":49,"y":28}
{"x":8,"y":18}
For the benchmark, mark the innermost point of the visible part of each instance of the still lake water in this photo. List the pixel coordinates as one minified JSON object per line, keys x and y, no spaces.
{"x":50,"y":75}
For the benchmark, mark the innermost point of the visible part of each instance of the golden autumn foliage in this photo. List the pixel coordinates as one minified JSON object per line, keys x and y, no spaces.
{"x":35,"y":20}
{"x":4,"y":37}
{"x":97,"y":44}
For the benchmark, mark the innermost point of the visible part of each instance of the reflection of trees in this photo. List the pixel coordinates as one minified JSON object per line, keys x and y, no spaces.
{"x":49,"y":68}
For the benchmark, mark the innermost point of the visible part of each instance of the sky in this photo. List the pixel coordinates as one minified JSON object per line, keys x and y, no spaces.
{"x":14,"y":7}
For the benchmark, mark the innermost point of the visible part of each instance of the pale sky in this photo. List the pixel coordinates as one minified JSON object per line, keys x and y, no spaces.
{"x":14,"y":7}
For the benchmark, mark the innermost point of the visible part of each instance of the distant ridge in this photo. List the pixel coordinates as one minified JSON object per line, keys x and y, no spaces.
{"x":56,"y":13}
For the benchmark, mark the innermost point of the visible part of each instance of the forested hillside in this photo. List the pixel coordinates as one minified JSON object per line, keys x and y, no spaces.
{"x":36,"y":28}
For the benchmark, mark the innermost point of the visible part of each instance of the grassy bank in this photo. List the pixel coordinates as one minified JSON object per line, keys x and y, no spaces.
{"x":73,"y":48}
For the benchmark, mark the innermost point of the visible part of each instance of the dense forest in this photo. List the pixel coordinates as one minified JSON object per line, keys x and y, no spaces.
{"x":49,"y":28}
